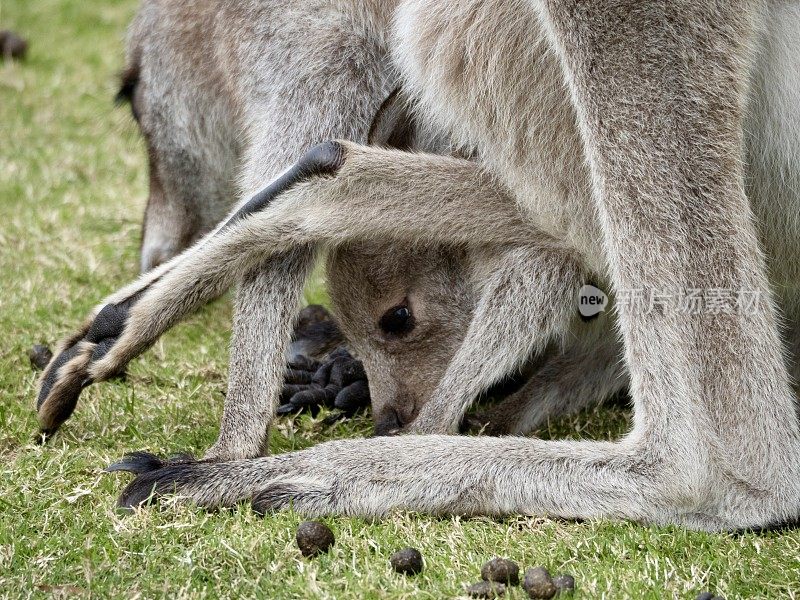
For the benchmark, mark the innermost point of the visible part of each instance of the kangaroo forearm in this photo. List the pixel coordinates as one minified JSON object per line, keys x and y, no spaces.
{"x":510,"y":325}
{"x":267,"y":300}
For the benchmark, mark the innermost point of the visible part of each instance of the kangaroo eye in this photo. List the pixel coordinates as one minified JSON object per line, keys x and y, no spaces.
{"x":397,"y":321}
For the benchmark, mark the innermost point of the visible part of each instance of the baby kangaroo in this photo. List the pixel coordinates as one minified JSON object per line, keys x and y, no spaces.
{"x":434,"y":322}
{"x":617,"y":129}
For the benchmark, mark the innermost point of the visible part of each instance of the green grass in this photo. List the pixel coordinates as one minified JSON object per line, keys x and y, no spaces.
{"x":72,"y":184}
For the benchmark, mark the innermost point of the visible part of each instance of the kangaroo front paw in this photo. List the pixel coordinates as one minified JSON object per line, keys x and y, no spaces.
{"x":338,"y":382}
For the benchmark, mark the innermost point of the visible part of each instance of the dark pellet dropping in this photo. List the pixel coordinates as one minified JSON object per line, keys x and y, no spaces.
{"x":407,"y":561}
{"x":565,"y":584}
{"x":501,"y":570}
{"x":538,"y":583}
{"x":40,"y":356}
{"x":314,"y":538}
{"x":486,"y":589}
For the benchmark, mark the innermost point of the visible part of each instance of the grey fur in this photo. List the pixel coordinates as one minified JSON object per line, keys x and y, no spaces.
{"x":169,"y":96}
{"x":650,"y":188}
{"x":230,"y":94}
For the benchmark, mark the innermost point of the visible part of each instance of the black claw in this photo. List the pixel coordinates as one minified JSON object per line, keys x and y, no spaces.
{"x":56,"y":408}
{"x":136,"y":462}
{"x":142,"y":491}
{"x":147,"y":488}
{"x":154,"y":477}
{"x":291,"y":390}
{"x":323,"y":374}
{"x":347,"y":370}
{"x":313,"y":397}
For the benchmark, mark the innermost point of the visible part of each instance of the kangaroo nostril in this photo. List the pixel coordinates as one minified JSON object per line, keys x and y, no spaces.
{"x":388,"y":423}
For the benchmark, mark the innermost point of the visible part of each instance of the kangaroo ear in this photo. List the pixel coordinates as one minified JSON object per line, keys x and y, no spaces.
{"x":393,"y":125}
